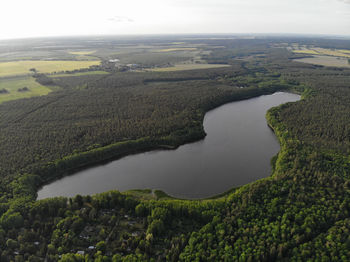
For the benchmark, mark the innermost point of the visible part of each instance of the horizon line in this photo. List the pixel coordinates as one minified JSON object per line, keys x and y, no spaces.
{"x":180,"y":34}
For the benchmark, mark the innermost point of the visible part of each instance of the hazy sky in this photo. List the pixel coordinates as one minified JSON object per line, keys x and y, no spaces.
{"x":27,"y":18}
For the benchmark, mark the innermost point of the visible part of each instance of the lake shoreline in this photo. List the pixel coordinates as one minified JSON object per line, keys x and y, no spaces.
{"x":100,"y":156}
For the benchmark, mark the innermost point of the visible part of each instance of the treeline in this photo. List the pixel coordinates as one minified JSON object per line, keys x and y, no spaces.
{"x":39,"y":131}
{"x":104,"y":226}
{"x":301,"y":213}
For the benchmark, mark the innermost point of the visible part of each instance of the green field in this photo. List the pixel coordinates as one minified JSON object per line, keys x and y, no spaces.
{"x":23,"y":67}
{"x":183,"y":67}
{"x":12,"y":86}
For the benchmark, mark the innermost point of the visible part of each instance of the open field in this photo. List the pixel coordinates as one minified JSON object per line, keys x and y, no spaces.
{"x":12,"y":86}
{"x":35,"y":55}
{"x":332,"y":52}
{"x":182,"y":67}
{"x":321,"y":51}
{"x":22,"y":67}
{"x":82,"y":52}
{"x":306,"y":51}
{"x":83,"y":55}
{"x":325,"y":61}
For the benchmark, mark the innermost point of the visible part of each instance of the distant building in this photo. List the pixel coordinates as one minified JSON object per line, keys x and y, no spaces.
{"x":132,"y":65}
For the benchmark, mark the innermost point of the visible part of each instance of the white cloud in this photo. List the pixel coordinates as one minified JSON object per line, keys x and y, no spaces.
{"x":23,"y":18}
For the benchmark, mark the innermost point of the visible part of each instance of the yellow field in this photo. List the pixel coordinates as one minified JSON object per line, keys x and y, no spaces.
{"x":308,"y":51}
{"x":321,"y":51}
{"x":331,"y":52}
{"x":182,"y":67}
{"x":82,"y":52}
{"x":18,"y":68}
{"x":12,"y":86}
{"x":177,"y":49}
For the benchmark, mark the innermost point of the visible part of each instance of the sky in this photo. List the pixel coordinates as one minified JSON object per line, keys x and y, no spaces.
{"x":35,"y":18}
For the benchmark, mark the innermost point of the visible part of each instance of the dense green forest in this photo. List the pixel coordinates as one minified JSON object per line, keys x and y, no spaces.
{"x":299,"y":213}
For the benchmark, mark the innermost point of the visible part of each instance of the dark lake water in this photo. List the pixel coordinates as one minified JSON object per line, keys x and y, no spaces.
{"x":237,"y":150}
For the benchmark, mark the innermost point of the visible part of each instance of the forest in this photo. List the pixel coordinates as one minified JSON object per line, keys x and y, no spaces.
{"x":299,"y":213}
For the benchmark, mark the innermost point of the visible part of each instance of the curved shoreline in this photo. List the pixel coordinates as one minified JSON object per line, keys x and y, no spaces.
{"x":63,"y":167}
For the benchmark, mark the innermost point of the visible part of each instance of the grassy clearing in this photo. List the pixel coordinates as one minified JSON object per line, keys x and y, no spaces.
{"x":325,"y":61}
{"x":149,"y":194}
{"x":183,"y":67}
{"x":12,"y":86}
{"x":223,"y":195}
{"x":145,"y":194}
{"x":19,"y":68}
{"x":81,"y":74}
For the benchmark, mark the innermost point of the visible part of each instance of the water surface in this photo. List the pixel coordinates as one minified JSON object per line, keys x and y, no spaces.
{"x":237,"y":150}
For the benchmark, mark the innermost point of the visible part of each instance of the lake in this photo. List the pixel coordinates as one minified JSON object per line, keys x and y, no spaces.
{"x":237,"y":150}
